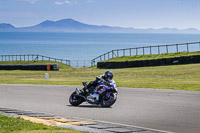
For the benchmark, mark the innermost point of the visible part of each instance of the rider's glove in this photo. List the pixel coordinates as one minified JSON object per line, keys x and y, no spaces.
{"x":108,"y":83}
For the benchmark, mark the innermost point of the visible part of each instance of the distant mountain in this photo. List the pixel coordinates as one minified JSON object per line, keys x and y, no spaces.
{"x":70,"y":25}
{"x":6,"y":27}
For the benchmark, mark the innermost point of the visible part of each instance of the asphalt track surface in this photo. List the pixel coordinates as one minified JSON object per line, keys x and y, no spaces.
{"x":168,"y":110}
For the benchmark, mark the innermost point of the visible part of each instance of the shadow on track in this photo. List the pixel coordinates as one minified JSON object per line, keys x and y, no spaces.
{"x":87,"y":106}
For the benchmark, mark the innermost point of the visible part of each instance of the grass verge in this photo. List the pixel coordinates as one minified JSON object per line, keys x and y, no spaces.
{"x":155,"y":56}
{"x":18,"y":125}
{"x":179,"y":77}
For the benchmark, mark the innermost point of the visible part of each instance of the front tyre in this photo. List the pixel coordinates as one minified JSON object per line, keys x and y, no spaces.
{"x":108,"y":101}
{"x":75,"y":100}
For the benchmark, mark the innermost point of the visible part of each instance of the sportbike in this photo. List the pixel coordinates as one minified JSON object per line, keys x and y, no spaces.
{"x":104,"y":94}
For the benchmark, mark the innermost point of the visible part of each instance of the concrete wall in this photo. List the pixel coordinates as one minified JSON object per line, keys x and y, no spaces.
{"x":145,"y":63}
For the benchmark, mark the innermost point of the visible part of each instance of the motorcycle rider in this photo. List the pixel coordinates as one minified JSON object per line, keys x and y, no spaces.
{"x":102,"y":91}
{"x":104,"y":78}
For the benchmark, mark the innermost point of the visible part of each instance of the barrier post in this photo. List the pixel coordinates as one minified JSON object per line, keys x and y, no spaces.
{"x":143,"y":51}
{"x":136,"y":51}
{"x":46,"y":76}
{"x":177,"y":48}
{"x":150,"y":50}
{"x":167,"y":48}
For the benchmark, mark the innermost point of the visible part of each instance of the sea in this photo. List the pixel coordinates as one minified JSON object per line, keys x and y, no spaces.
{"x":82,"y":46}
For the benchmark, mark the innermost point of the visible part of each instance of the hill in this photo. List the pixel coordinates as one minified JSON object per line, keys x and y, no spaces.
{"x":70,"y":25}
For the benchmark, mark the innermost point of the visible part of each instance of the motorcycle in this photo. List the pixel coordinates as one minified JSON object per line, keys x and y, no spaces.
{"x":104,"y":94}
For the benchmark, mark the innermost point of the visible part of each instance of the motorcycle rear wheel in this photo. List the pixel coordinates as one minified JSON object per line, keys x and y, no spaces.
{"x":107,"y":102}
{"x":75,"y":100}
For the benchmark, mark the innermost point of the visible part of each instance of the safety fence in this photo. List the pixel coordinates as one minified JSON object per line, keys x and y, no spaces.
{"x":148,"y":50}
{"x":35,"y":58}
{"x":80,"y":63}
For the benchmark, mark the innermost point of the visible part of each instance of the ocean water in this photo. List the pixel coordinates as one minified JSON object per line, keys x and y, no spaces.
{"x":82,"y":46}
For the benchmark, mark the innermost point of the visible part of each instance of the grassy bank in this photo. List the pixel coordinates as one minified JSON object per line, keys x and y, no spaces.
{"x":150,"y":57}
{"x":18,"y":125}
{"x":181,"y":77}
{"x":61,"y":65}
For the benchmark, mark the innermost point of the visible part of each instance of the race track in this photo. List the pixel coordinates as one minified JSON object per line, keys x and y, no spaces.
{"x":169,"y":110}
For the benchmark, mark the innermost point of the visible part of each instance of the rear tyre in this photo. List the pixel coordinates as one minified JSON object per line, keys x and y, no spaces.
{"x":107,"y":102}
{"x":75,"y":100}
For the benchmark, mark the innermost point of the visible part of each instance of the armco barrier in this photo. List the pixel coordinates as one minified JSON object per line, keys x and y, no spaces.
{"x":155,"y":62}
{"x":40,"y":67}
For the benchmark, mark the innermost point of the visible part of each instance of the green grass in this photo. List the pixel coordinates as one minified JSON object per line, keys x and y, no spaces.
{"x":18,"y":125}
{"x":150,"y":57}
{"x":180,"y":77}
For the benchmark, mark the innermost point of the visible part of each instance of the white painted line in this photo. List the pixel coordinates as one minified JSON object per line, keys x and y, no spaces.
{"x":151,"y":129}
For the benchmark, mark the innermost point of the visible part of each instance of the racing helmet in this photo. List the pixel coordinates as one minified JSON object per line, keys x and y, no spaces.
{"x":108,"y":75}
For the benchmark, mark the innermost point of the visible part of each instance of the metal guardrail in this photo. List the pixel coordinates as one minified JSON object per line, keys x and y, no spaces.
{"x":148,"y":50}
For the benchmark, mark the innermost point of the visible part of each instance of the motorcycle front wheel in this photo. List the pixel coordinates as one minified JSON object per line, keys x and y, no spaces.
{"x":75,"y":100}
{"x":107,"y":102}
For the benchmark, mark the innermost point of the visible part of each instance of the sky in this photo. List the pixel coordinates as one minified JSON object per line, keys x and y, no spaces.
{"x":144,"y":14}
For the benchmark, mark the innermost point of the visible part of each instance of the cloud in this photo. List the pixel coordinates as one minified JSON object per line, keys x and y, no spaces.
{"x":66,"y":2}
{"x":30,"y":1}
{"x":69,"y":2}
{"x":90,"y":1}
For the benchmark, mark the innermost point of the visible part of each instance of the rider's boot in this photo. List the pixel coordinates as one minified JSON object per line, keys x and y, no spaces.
{"x":86,"y":88}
